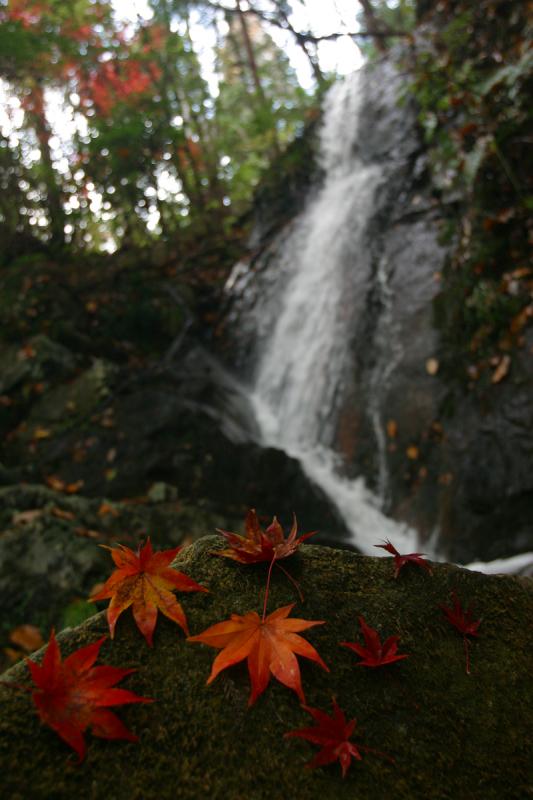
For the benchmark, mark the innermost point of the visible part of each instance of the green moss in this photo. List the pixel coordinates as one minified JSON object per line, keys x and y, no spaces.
{"x":473,"y":72}
{"x":451,"y":735}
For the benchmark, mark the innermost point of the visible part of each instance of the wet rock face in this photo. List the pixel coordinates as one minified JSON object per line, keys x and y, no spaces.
{"x":187,"y":424}
{"x":395,"y":285}
{"x":451,"y":462}
{"x":450,"y":734}
{"x":488,"y":445}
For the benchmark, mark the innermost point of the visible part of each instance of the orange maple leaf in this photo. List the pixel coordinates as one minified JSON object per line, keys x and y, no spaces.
{"x":270,"y":644}
{"x":145,"y":581}
{"x":261,"y":545}
{"x":70,"y":695}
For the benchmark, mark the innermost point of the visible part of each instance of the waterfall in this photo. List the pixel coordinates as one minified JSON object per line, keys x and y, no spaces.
{"x":299,"y":307}
{"x":307,"y":319}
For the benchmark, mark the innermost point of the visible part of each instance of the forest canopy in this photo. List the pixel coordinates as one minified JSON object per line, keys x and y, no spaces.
{"x":118,"y":130}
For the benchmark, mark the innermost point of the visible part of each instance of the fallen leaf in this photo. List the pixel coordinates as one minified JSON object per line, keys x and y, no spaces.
{"x":73,"y":488}
{"x":461,"y":619}
{"x":25,"y":517}
{"x":501,"y":370}
{"x":71,"y":695}
{"x":520,"y":320}
{"x":375,"y":653}
{"x":432,"y":366}
{"x":87,"y":533}
{"x":270,"y":645}
{"x":261,"y":545}
{"x":107,"y":508}
{"x":27,"y":637}
{"x":408,"y":558}
{"x":41,"y":433}
{"x":55,"y":483}
{"x":60,"y":513}
{"x":332,"y":734}
{"x":145,"y":581}
{"x":392,"y":429}
{"x":26,"y":352}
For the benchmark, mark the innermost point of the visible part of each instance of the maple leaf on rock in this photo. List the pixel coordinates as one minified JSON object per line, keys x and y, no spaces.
{"x":375,"y":653}
{"x":145,"y":581}
{"x":400,"y":560}
{"x":461,"y":619}
{"x":332,"y":734}
{"x":72,"y":695}
{"x":261,"y":545}
{"x":270,"y":644}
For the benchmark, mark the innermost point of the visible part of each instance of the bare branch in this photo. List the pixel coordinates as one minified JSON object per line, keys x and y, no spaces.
{"x":301,"y":36}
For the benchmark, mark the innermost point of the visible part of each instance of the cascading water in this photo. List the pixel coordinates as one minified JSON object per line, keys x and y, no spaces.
{"x":301,"y":364}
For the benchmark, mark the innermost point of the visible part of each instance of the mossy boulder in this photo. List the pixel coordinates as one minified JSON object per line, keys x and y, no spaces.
{"x":451,"y":735}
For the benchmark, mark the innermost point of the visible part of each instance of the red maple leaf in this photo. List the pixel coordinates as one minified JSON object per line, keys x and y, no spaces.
{"x":71,"y":695}
{"x":375,"y":653}
{"x":332,"y":734}
{"x":145,"y":581}
{"x":461,"y":619}
{"x":261,"y":545}
{"x":270,"y":644}
{"x":401,"y":560}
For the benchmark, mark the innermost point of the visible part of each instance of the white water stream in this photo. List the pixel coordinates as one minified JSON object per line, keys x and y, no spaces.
{"x":304,"y":358}
{"x":305,"y":347}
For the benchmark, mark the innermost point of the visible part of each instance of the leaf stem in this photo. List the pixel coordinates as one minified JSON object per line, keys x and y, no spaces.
{"x":377,"y":752}
{"x":292,"y":580}
{"x":268,"y":587}
{"x":467,"y":655}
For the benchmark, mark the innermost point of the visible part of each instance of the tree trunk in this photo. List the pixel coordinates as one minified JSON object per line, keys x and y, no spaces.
{"x":373,"y":23}
{"x":53,"y":191}
{"x":250,"y":53}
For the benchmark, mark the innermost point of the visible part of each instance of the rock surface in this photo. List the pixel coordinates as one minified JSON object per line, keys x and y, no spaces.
{"x":119,"y":394}
{"x":451,"y":735}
